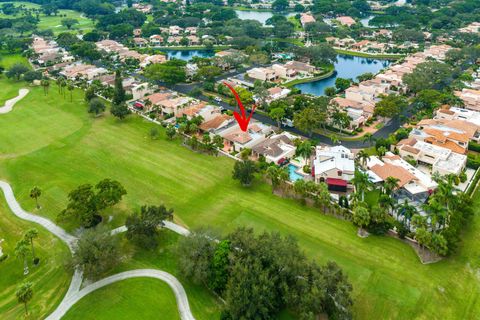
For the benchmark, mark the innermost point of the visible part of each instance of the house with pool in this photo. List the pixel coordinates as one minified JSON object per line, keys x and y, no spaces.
{"x":335,"y":166}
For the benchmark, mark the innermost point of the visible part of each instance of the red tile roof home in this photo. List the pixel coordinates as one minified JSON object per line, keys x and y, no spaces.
{"x":390,"y":170}
{"x":346,"y":20}
{"x":274,"y":90}
{"x":239,"y":136}
{"x":156,"y":98}
{"x":215,"y":123}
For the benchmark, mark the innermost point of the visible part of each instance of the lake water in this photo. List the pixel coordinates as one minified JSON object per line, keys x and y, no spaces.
{"x":260,"y":16}
{"x":348,"y":67}
{"x":187,"y":55}
{"x":365,"y":21}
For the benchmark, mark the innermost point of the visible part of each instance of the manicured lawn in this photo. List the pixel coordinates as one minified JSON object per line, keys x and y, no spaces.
{"x":50,"y":279}
{"x":53,"y":143}
{"x":139,"y":298}
{"x":202,"y":303}
{"x":55,"y":22}
{"x":11,"y":91}
{"x":7,"y":60}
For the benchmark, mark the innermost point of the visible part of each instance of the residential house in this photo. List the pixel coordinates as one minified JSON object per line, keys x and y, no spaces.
{"x":276,"y":148}
{"x":218,"y":123}
{"x":201,"y":108}
{"x":346,"y":21}
{"x":140,"y":42}
{"x":284,"y":72}
{"x":466,"y":118}
{"x":413,"y":185}
{"x":454,"y":140}
{"x":140,"y":90}
{"x":470,"y":98}
{"x":155,"y":100}
{"x":442,"y":160}
{"x":333,"y":165}
{"x":262,"y":74}
{"x":174,"y":106}
{"x":301,"y":67}
{"x":276,"y":93}
{"x":470,"y":128}
{"x":156,"y":40}
{"x":175,"y":30}
{"x":306,"y":18}
{"x":156,"y":58}
{"x":236,"y":140}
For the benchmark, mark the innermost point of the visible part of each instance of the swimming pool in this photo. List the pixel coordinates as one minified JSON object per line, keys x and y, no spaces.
{"x":293,"y":175}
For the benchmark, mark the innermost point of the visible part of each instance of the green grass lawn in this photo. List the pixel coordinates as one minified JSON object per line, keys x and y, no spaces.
{"x":53,"y":143}
{"x":138,"y":298}
{"x":10,"y":91}
{"x":8,"y":60}
{"x":50,"y":279}
{"x":55,"y":22}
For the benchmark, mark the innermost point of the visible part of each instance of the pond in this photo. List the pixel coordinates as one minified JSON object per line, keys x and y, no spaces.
{"x":348,"y":67}
{"x":366,"y":21}
{"x":260,"y":16}
{"x":187,"y":55}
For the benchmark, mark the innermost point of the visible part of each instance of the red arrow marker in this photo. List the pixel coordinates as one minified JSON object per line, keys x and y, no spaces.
{"x":241,"y":119}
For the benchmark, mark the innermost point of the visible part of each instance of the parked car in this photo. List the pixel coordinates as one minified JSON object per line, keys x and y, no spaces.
{"x":287,"y":123}
{"x":218,"y":99}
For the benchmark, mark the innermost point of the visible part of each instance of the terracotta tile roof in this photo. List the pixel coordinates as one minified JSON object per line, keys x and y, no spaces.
{"x":449,"y":145}
{"x":444,"y":135}
{"x":192,"y":110}
{"x":156,"y":98}
{"x":215,"y":123}
{"x":390,"y":170}
{"x":239,"y":136}
{"x":410,"y":149}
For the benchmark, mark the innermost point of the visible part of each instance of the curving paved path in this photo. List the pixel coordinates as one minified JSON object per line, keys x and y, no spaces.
{"x":175,"y":285}
{"x":10,"y":103}
{"x":74,"y":293}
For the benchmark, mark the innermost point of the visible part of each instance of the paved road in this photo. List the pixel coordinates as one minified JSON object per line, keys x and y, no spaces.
{"x":175,"y":285}
{"x":10,"y":103}
{"x":167,"y":225}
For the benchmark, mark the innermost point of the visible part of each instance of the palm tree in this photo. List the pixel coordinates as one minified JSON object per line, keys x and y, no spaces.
{"x":368,"y":137}
{"x":21,"y":252}
{"x":70,"y":88}
{"x":29,"y":236}
{"x":45,"y":84}
{"x":408,"y":212}
{"x":381,"y":151}
{"x":24,"y":294}
{"x":361,"y":182}
{"x":390,"y":184}
{"x":334,"y":139}
{"x":322,"y":195}
{"x":362,"y":157}
{"x":304,"y":150}
{"x":35,"y":193}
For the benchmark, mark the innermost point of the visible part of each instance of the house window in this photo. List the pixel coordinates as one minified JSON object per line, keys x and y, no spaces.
{"x":339,"y":172}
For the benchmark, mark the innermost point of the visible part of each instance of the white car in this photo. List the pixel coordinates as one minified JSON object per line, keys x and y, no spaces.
{"x":287,"y":123}
{"x":218,"y":99}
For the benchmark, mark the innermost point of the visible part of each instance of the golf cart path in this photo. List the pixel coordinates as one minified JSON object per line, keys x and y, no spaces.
{"x":74,"y":293}
{"x":180,"y":294}
{"x":10,"y":103}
